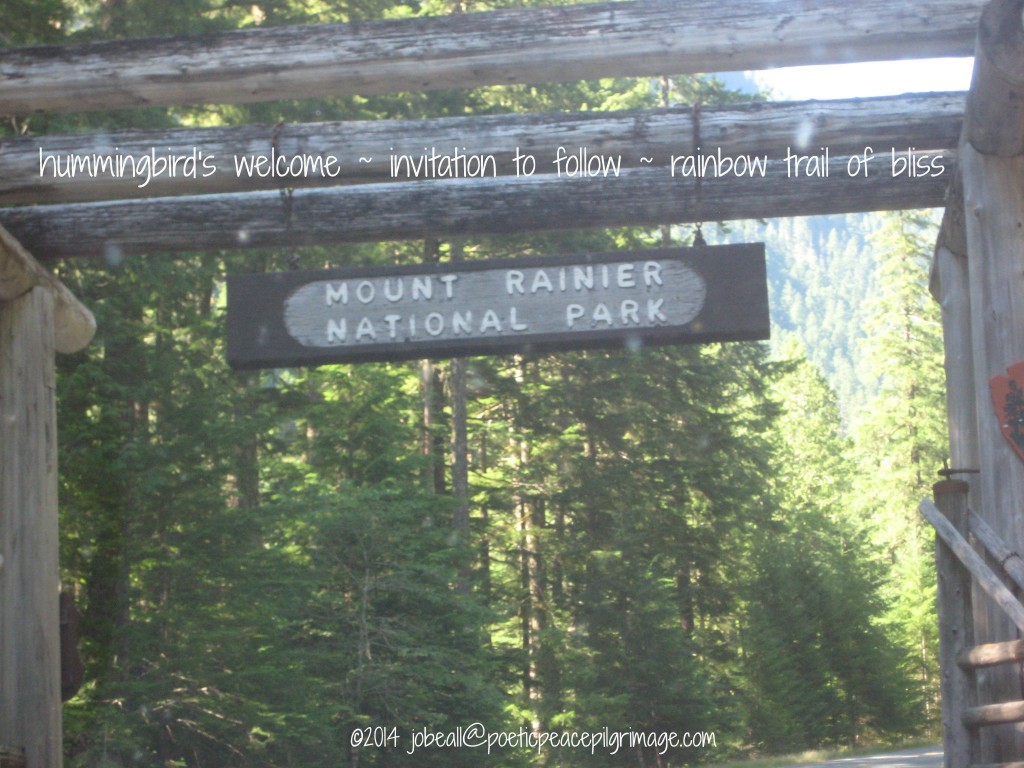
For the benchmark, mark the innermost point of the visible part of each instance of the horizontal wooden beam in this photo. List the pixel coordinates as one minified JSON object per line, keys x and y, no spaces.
{"x":34,"y":169}
{"x":562,"y":43}
{"x":992,"y":654}
{"x":978,"y":568}
{"x":994,"y":714}
{"x":446,"y":208}
{"x":74,"y":324}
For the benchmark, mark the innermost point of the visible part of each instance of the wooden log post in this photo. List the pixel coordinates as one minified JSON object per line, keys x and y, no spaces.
{"x":950,"y":287}
{"x":993,"y":179}
{"x":956,"y":631}
{"x":995,"y":201}
{"x":38,"y":316}
{"x":30,"y":715}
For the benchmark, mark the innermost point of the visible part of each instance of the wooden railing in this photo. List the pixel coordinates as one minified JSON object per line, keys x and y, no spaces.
{"x":958,"y":565}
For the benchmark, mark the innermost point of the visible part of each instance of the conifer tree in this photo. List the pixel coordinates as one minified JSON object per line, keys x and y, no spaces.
{"x":901,"y":438}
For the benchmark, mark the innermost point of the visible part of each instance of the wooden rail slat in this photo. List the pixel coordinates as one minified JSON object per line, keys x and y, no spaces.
{"x":563,"y":43}
{"x":973,"y":562}
{"x":994,"y":714}
{"x":1008,"y":560}
{"x":991,"y":654}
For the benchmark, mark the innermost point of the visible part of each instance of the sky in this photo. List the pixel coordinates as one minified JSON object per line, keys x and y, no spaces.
{"x":876,"y":78}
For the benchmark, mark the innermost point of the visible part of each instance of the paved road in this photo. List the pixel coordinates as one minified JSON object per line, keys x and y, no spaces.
{"x":926,"y":757}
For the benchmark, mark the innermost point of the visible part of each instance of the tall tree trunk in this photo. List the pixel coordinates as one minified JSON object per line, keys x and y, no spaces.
{"x":684,"y":593}
{"x":107,"y":581}
{"x":247,"y":472}
{"x":533,"y":521}
{"x":431,"y":387}
{"x":535,"y":619}
{"x":460,"y":453}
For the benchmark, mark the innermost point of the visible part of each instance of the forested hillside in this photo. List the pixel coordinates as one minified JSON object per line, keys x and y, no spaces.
{"x":669,"y":540}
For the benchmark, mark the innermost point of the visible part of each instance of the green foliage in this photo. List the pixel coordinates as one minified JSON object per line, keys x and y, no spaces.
{"x":821,"y":667}
{"x":902,"y":440}
{"x":32,"y":22}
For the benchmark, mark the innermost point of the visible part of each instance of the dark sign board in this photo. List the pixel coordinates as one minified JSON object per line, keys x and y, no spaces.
{"x":455,"y":309}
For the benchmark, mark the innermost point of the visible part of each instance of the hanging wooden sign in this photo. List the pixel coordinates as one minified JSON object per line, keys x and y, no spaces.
{"x":455,"y":309}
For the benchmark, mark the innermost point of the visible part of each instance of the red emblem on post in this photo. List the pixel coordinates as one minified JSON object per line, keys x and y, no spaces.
{"x":1008,"y":398}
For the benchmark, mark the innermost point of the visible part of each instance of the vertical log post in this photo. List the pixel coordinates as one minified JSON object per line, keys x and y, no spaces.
{"x":951,"y":289}
{"x":956,"y":631}
{"x":38,"y":317}
{"x":30,"y":706}
{"x":992,"y":166}
{"x":994,"y":196}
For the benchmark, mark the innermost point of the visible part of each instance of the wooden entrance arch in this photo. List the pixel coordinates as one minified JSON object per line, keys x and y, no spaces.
{"x":982,"y":294}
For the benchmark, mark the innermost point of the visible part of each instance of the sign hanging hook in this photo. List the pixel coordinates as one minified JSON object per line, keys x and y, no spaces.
{"x":698,"y":235}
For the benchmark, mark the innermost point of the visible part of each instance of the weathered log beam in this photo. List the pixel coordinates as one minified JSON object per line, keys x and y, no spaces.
{"x":73,"y":324}
{"x":562,"y":43}
{"x":29,"y":166}
{"x":398,"y":211}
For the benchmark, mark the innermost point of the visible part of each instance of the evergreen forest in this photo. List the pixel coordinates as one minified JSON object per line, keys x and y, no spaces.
{"x":301,"y":568}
